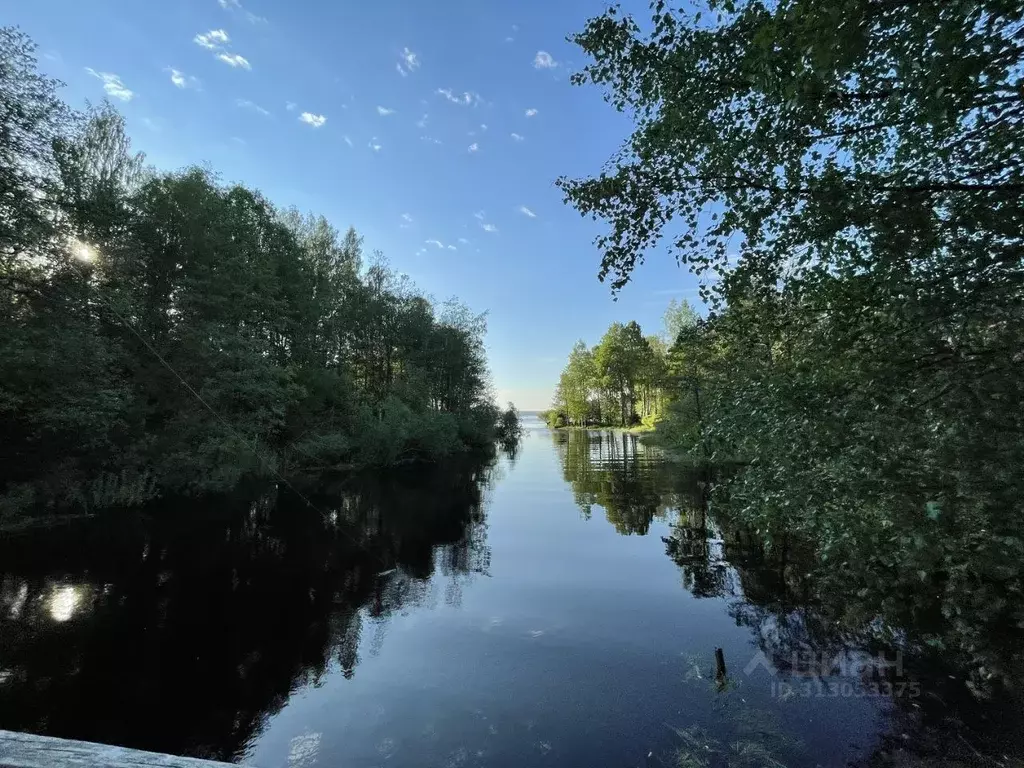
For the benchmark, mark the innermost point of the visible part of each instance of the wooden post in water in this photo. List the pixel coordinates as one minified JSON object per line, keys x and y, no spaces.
{"x":720,"y":677}
{"x":26,"y":750}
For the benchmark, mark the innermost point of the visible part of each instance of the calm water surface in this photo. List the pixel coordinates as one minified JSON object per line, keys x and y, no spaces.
{"x":561,"y":607}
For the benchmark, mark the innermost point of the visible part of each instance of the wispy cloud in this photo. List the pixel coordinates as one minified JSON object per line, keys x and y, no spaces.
{"x":239,"y":141}
{"x":246,"y":104}
{"x":153,"y":125}
{"x":510,"y":39}
{"x":212,"y":40}
{"x":452,"y":248}
{"x":112,"y":85}
{"x":437,"y":243}
{"x":234,"y":60}
{"x":181,"y":80}
{"x":483,"y":126}
{"x":409,"y":62}
{"x":544,"y":60}
{"x":517,"y":137}
{"x":407,"y":218}
{"x":527,"y":212}
{"x":422,"y":122}
{"x":290,"y":106}
{"x":215,"y":40}
{"x":531,"y":112}
{"x":465,"y":99}
{"x":235,"y":5}
{"x":464,"y":241}
{"x":310,"y":119}
{"x":474,"y":147}
{"x":384,"y":111}
{"x":347,"y":140}
{"x":375,"y":145}
{"x":480,"y":216}
{"x":430,"y":140}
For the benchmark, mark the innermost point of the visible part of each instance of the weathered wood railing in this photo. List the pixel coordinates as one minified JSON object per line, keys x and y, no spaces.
{"x":25,"y":750}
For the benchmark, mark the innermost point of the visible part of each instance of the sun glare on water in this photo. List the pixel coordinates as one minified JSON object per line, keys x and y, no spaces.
{"x":83,"y":251}
{"x":64,"y":602}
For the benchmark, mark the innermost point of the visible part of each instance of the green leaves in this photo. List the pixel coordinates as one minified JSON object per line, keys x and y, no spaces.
{"x":845,"y":176}
{"x":210,"y":337}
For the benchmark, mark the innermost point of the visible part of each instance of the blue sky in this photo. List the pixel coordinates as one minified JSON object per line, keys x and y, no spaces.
{"x":436,"y":128}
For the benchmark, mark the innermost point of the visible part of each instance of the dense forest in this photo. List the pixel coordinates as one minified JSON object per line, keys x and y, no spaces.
{"x":164,"y":331}
{"x":845,"y":181}
{"x":622,"y":381}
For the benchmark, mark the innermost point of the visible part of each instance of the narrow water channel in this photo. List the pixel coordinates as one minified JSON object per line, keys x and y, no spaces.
{"x":560,"y":607}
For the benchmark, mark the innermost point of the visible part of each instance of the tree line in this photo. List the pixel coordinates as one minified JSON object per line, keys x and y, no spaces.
{"x":846,"y":180}
{"x":165,"y":331}
{"x":623,"y":380}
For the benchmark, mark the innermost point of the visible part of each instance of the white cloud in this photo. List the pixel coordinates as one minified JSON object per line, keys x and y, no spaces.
{"x":347,"y":140}
{"x":465,"y":99}
{"x":464,"y":241}
{"x":212,"y":40}
{"x":430,"y":139}
{"x":438,"y":243}
{"x":474,"y":147}
{"x":479,"y":215}
{"x":234,"y":60}
{"x":151,"y":124}
{"x":483,"y":126}
{"x":515,"y":27}
{"x":410,"y":62}
{"x":235,"y":5}
{"x":531,"y":112}
{"x":517,"y":137}
{"x":310,"y":119}
{"x":544,"y":60}
{"x":375,"y":145}
{"x":181,"y":80}
{"x":510,"y":39}
{"x":112,"y":85}
{"x":452,"y":248}
{"x":246,"y":104}
{"x":290,"y":106}
{"x":422,"y":122}
{"x":421,"y":251}
{"x":489,"y":228}
{"x":238,"y":141}
{"x":527,"y":212}
{"x":384,"y":111}
{"x":407,"y":217}
{"x":215,"y":40}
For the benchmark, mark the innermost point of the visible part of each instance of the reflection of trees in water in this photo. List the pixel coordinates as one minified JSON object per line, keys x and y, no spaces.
{"x":616,"y":472}
{"x":798,"y":607}
{"x":185,"y":635}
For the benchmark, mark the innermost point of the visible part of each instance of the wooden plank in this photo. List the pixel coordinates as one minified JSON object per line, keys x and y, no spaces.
{"x":26,"y":750}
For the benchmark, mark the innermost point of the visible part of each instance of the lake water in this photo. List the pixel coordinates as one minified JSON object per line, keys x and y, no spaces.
{"x":561,"y":607}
